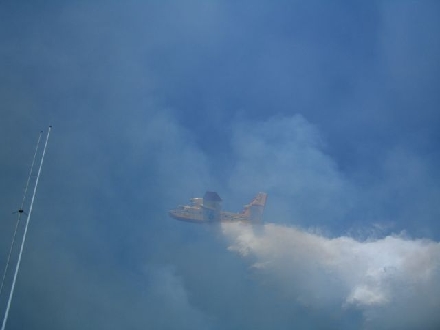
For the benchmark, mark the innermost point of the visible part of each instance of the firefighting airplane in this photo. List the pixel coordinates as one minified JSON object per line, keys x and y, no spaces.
{"x":208,"y":210}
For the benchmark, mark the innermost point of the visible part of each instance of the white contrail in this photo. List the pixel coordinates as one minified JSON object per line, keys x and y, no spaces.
{"x":5,"y":318}
{"x":20,"y":212}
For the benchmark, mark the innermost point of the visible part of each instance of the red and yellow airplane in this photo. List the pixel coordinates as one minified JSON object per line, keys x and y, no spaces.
{"x":208,"y":210}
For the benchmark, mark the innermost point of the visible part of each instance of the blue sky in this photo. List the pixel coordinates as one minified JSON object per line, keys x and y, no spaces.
{"x":331,"y":107}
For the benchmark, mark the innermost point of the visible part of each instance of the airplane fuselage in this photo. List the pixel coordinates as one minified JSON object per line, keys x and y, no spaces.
{"x":208,"y":210}
{"x":195,"y":215}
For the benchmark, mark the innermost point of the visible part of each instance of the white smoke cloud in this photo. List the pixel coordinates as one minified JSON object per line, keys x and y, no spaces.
{"x":382,"y":278}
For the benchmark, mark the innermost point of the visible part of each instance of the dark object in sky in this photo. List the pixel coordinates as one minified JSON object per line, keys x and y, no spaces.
{"x":208,"y":210}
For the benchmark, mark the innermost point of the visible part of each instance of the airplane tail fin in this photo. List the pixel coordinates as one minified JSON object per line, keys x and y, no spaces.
{"x":254,"y":210}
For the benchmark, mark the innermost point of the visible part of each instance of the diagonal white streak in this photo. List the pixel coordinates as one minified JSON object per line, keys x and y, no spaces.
{"x":5,"y":318}
{"x":19,"y":214}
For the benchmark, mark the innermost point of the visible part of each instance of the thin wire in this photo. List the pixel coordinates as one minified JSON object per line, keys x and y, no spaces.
{"x":17,"y":267}
{"x":20,"y":212}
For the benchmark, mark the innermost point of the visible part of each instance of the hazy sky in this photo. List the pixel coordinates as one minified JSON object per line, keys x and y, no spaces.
{"x":331,"y":107}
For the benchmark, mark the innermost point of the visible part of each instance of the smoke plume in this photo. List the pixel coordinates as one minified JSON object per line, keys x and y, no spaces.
{"x":393,"y":281}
